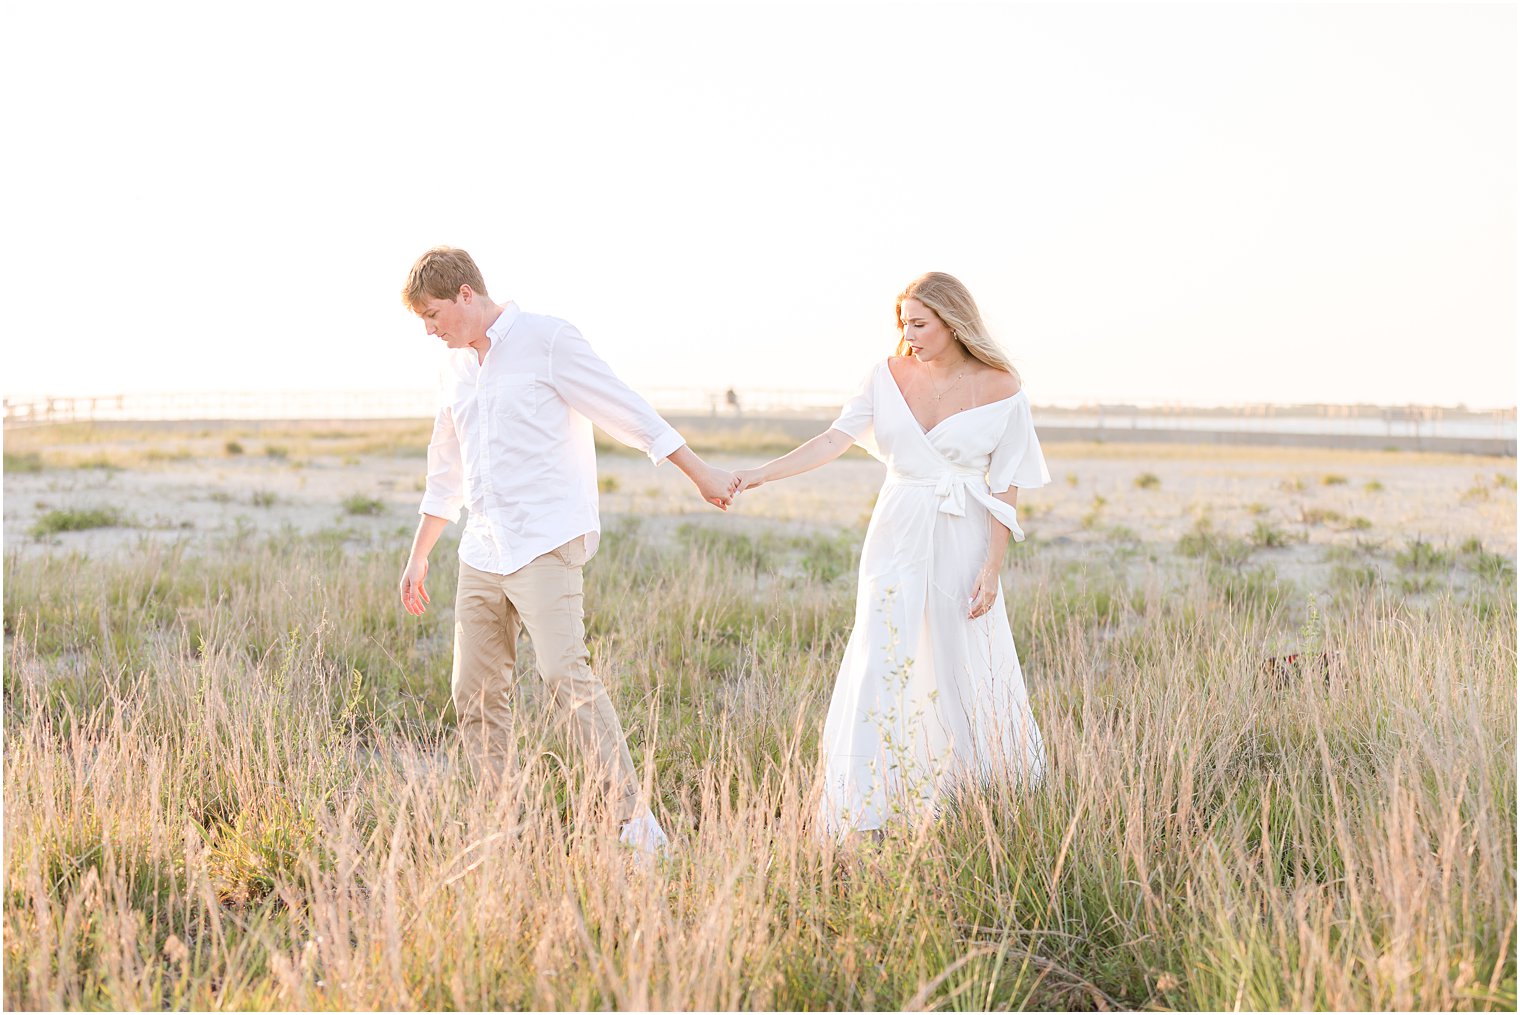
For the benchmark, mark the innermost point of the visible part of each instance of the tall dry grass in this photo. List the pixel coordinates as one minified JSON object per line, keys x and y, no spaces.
{"x":230,"y":782}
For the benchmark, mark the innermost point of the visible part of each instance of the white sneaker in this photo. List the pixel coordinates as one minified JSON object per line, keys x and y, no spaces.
{"x":646,"y":837}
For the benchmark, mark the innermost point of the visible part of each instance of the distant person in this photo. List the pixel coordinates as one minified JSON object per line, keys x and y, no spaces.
{"x":732,"y":397}
{"x":929,"y":693}
{"x":512,"y":441}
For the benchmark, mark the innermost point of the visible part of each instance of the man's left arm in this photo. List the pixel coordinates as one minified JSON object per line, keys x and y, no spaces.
{"x":586,"y":381}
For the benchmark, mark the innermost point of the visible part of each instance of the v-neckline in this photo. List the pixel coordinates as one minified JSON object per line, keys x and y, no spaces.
{"x":887,"y":366}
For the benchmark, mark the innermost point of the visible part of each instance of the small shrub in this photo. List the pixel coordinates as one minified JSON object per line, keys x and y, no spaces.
{"x":1490,"y":567}
{"x":825,"y":558}
{"x":607,"y":484}
{"x":1359,"y":523}
{"x":1416,"y":584}
{"x":1333,"y":479}
{"x":279,"y":452}
{"x":100,"y":461}
{"x":165,"y":455}
{"x":1071,"y":479}
{"x":1373,"y":486}
{"x":1249,"y":589}
{"x":219,"y":497}
{"x":1258,"y":508}
{"x":76,"y":520}
{"x":1504,"y":481}
{"x":28,"y":461}
{"x":1493,"y":567}
{"x":359,"y":504}
{"x":1319,"y":516}
{"x":233,"y":448}
{"x":1203,"y":541}
{"x":1099,"y":502}
{"x":1293,"y":485}
{"x":1147,"y":481}
{"x":750,"y":553}
{"x":263,"y":498}
{"x":1267,"y":535}
{"x":1342,"y":554}
{"x":1353,"y":578}
{"x":1197,"y":542}
{"x":1420,"y":556}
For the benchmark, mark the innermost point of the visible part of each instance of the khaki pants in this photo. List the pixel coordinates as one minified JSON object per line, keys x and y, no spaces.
{"x":545,"y":597}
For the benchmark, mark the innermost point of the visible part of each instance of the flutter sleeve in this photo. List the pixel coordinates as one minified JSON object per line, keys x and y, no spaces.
{"x":858,"y":417}
{"x":1017,"y":460}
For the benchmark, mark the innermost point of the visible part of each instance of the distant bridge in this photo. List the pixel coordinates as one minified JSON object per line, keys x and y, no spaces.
{"x":803,"y":413}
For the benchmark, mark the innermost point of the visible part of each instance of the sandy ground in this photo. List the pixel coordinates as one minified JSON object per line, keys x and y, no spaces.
{"x":177,"y":485}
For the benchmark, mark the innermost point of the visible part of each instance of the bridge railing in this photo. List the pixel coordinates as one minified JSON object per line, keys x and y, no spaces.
{"x":1363,"y":420}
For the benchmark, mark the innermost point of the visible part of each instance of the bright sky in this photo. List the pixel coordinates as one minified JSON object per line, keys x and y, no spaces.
{"x":1206,"y":203}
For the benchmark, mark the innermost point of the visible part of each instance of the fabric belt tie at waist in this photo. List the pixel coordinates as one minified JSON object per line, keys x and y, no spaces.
{"x":951,"y":490}
{"x":951,"y":487}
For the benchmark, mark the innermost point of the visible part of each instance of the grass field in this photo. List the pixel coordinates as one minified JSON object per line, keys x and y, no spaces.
{"x":230,"y":778}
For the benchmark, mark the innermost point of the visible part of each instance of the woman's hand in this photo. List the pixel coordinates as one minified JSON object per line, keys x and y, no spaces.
{"x":984,"y":592}
{"x":748,"y":479}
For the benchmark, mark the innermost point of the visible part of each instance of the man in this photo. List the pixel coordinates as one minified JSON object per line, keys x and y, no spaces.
{"x":512,"y":441}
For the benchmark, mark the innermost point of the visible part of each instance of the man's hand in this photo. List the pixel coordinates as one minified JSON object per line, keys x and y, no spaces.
{"x":717,"y":486}
{"x":413,"y":592}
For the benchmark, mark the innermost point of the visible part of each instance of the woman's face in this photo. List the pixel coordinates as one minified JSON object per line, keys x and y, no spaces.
{"x":928,"y":336}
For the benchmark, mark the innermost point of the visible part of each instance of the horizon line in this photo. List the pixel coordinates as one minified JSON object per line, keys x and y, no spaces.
{"x":694,"y":397}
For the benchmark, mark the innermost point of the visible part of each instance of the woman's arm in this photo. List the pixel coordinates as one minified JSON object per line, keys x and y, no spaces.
{"x":984,"y":593}
{"x":821,"y":450}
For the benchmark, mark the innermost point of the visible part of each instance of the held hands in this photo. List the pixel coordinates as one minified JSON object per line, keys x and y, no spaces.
{"x":984,"y":592}
{"x":748,"y":479}
{"x":717,"y":487}
{"x":413,"y":593}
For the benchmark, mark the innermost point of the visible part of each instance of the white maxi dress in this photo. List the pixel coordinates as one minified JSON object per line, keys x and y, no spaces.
{"x":927,"y":698}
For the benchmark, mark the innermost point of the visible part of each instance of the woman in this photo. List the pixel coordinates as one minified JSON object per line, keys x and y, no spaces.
{"x":929,"y":692}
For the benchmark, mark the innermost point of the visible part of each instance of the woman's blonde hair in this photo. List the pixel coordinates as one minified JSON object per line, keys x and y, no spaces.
{"x":947,"y":297}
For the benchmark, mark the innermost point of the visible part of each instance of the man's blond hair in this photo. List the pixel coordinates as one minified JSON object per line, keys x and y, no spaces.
{"x":438,"y":274}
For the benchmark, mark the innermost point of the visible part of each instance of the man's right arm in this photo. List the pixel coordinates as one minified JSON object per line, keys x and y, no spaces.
{"x":414,"y":596}
{"x":440,"y":505}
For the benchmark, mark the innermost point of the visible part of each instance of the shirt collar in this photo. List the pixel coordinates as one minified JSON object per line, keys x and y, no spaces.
{"x":503,"y":324}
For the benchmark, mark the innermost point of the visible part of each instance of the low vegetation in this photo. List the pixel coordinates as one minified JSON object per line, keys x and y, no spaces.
{"x":231,"y":778}
{"x":361,"y":504}
{"x":75,"y":520}
{"x":273,"y":815}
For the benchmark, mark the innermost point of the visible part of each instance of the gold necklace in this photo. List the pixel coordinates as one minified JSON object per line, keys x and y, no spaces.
{"x":938,"y":394}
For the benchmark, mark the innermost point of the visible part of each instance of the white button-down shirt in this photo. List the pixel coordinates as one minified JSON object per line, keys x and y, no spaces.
{"x":513,"y":443}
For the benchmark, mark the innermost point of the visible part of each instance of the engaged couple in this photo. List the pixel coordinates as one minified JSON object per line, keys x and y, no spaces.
{"x":929,"y":694}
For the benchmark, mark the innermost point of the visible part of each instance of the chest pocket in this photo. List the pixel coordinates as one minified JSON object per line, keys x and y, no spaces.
{"x":514,"y":396}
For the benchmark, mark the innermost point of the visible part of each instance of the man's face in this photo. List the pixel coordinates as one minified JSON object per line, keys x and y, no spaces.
{"x":451,"y":320}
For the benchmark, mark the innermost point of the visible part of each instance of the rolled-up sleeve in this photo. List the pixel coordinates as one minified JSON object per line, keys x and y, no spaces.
{"x":585,"y":381}
{"x":444,"y":496}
